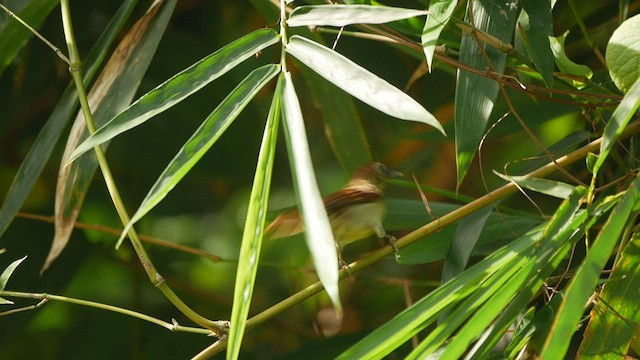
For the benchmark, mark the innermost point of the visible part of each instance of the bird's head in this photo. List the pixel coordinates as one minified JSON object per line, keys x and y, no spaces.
{"x":374,"y":173}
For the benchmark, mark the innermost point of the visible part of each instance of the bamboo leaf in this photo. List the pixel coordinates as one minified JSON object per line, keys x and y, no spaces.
{"x":343,"y":15}
{"x":113,"y":91}
{"x":202,"y":139}
{"x":440,"y":12}
{"x":253,"y":228}
{"x":318,"y":233}
{"x":42,"y":148}
{"x":617,"y":310}
{"x":587,"y":275}
{"x":619,"y":120}
{"x":476,"y":95}
{"x":180,"y":86}
{"x":359,"y":82}
{"x":544,"y":186}
{"x":409,"y":322}
{"x":536,"y":29}
{"x":4,"y":278}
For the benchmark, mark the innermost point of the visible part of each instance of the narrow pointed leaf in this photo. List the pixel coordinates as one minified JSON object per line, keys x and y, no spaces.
{"x":359,"y":82}
{"x":544,"y":186}
{"x":204,"y":137}
{"x":619,"y":120}
{"x":180,"y":86}
{"x":4,"y":278}
{"x":476,"y":95}
{"x":42,"y":148}
{"x":343,"y":15}
{"x":465,"y":238}
{"x":113,"y":91}
{"x":253,"y":229}
{"x":409,"y":322}
{"x":317,"y":229}
{"x":440,"y":12}
{"x":536,"y":32}
{"x":617,"y":310}
{"x":585,"y":279}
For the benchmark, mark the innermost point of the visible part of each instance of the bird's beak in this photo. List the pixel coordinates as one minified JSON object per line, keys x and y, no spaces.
{"x":394,"y":174}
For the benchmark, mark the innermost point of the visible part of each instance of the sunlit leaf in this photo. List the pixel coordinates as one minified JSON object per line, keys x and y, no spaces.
{"x":343,"y":15}
{"x":202,"y":139}
{"x":616,"y":310}
{"x":359,"y":82}
{"x":544,"y":186}
{"x":622,"y":54}
{"x":180,"y":86}
{"x":585,"y":278}
{"x":4,"y":278}
{"x":253,"y":228}
{"x":616,"y":125}
{"x":562,"y":60}
{"x":440,"y":12}
{"x":317,"y":228}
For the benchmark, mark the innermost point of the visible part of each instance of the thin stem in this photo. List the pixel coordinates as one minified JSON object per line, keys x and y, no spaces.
{"x":44,"y":298}
{"x":36,"y":33}
{"x":283,"y":35}
{"x":75,"y":68}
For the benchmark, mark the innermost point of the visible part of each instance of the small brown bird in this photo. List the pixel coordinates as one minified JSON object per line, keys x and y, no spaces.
{"x":355,"y":212}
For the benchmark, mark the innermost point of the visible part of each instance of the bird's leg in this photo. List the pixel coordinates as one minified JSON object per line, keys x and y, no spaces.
{"x":390,"y":238}
{"x":343,"y":264}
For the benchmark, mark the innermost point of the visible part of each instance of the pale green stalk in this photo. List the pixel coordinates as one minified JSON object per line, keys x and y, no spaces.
{"x":44,"y":298}
{"x":156,"y":279}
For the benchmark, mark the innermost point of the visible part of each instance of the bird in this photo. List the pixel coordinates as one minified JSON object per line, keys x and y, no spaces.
{"x":355,"y":212}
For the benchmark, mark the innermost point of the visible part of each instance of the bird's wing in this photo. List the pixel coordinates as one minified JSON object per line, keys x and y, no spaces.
{"x":350,"y":196}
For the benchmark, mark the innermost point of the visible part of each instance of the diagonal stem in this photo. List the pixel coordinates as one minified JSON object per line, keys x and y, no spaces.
{"x":218,"y":327}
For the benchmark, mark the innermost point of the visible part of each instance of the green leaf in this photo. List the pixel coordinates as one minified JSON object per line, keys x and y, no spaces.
{"x":112,"y":92}
{"x":622,"y":54}
{"x":254,"y":228}
{"x":554,"y":244}
{"x":564,"y":63}
{"x":318,"y":235}
{"x":440,"y":12}
{"x":585,"y":279}
{"x":14,"y":35}
{"x":409,"y":322}
{"x":536,"y":29}
{"x":619,"y":120}
{"x":617,"y":310}
{"x":343,"y":15}
{"x":180,"y":86}
{"x":202,"y":139}
{"x":343,"y":126}
{"x":544,"y":186}
{"x":467,"y":234}
{"x":4,"y":278}
{"x":359,"y":82}
{"x":40,"y":152}
{"x":476,"y":95}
